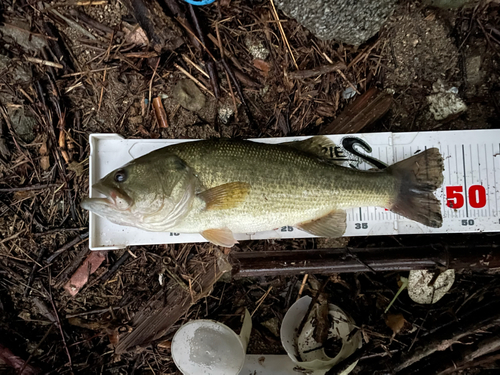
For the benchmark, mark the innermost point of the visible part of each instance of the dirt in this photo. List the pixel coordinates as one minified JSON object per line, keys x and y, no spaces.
{"x":108,"y":88}
{"x":419,"y":50}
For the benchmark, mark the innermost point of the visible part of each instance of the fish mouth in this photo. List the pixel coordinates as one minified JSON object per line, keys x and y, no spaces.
{"x":113,"y":197}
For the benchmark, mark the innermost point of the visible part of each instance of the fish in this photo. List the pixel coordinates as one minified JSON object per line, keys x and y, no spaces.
{"x":218,"y":187}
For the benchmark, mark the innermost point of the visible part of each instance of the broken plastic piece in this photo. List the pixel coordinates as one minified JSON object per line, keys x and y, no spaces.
{"x":199,"y":3}
{"x":425,"y":288}
{"x":299,"y":348}
{"x":81,"y":276}
{"x":211,"y":348}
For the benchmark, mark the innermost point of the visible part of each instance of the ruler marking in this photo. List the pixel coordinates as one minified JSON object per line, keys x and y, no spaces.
{"x":360,"y":214}
{"x":471,"y":167}
{"x":472,"y":181}
{"x":465,"y":184}
{"x":442,"y":195}
{"x":479,"y":162}
{"x":495,"y":186}
{"x":395,"y":216}
{"x":448,"y":159}
{"x":479,"y":165}
{"x":487,"y":178}
{"x":459,"y":212}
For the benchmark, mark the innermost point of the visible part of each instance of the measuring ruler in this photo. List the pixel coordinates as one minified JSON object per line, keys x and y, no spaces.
{"x":469,"y":196}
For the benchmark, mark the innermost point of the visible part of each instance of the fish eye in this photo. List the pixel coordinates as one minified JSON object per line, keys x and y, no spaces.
{"x":120,"y":175}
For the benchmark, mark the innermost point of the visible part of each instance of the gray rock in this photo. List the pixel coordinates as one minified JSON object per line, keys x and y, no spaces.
{"x":473,"y":69}
{"x":347,"y":21}
{"x":17,"y":73}
{"x":447,"y":4}
{"x":189,"y":95}
{"x":20,"y":34}
{"x":23,"y":125}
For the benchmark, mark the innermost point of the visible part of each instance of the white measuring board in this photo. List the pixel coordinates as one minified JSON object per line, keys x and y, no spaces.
{"x":470,"y":194}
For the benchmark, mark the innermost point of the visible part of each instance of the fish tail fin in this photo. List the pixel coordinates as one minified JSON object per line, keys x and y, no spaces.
{"x":418,"y":177}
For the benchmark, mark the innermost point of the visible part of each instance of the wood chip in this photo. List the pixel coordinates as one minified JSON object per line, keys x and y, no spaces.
{"x":81,"y":276}
{"x":365,"y":110}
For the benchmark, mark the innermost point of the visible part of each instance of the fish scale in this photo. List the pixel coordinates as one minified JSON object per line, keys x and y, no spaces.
{"x":287,"y":186}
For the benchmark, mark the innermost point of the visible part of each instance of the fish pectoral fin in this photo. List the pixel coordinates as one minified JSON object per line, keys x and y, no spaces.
{"x":220,"y":237}
{"x":332,"y":225}
{"x":225,"y":196}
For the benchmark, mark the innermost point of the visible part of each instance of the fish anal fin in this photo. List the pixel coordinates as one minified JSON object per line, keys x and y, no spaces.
{"x":332,"y":225}
{"x":318,"y":145}
{"x":220,"y":237}
{"x":225,"y":196}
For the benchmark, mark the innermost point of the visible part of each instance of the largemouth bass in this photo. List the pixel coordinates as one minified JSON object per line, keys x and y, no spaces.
{"x":219,"y":187}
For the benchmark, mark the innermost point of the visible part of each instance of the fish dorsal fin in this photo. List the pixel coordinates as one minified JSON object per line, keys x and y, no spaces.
{"x":225,"y":196}
{"x":318,"y":145}
{"x":220,"y":237}
{"x":332,"y":225}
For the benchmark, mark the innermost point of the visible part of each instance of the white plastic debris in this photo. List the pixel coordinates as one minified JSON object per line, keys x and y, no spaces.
{"x":299,"y":348}
{"x":420,"y":291}
{"x":225,"y":113}
{"x":211,"y":348}
{"x":445,"y":103}
{"x":349,"y":93}
{"x":256,"y":48}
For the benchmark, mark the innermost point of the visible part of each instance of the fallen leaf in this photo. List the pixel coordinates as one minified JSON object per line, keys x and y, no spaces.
{"x":76,"y":167}
{"x":84,"y":323}
{"x":45,"y":162}
{"x":9,"y":359}
{"x":44,"y":155}
{"x":102,"y":326}
{"x":22,"y":195}
{"x":114,"y":337}
{"x":262,"y":66}
{"x":167,"y":344}
{"x":136,"y":36}
{"x":43,"y":150}
{"x":395,"y":322}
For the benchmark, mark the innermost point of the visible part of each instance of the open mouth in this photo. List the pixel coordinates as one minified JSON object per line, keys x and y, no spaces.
{"x":113,"y":197}
{"x":109,"y":194}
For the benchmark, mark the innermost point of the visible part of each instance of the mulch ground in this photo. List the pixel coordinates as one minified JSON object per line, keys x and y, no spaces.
{"x":69,"y":69}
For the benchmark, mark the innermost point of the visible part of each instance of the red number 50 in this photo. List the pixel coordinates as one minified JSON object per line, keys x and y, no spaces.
{"x":455,"y":198}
